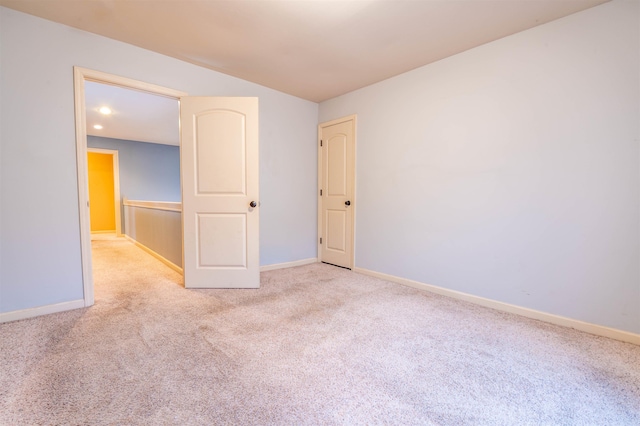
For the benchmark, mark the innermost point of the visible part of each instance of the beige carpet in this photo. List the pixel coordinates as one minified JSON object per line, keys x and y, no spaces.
{"x":315,"y":345}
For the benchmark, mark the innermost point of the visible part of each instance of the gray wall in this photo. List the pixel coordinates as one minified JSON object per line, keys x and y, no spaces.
{"x":39,"y":225}
{"x":511,"y":171}
{"x":158,"y":230}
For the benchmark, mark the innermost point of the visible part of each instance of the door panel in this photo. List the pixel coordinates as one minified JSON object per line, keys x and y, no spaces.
{"x":336,"y":165}
{"x":337,"y":175}
{"x":222,"y":241}
{"x":219,"y":155}
{"x":336,"y":228}
{"x":221,"y":152}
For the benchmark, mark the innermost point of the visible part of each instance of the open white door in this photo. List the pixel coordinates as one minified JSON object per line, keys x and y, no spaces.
{"x":337,"y":191}
{"x":219,"y":158}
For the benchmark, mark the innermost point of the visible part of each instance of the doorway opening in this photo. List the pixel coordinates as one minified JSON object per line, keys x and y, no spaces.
{"x":103,"y":167}
{"x":82,"y":76}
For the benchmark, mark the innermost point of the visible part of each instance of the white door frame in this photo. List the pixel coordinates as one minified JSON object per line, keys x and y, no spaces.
{"x":353,"y":119}
{"x":116,"y":182}
{"x":80,"y":75}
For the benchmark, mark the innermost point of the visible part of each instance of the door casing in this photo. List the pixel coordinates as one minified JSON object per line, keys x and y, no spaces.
{"x":80,"y":75}
{"x":353,"y":119}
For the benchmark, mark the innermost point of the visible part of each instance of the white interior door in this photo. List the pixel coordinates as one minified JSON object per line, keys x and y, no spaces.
{"x":219,"y":158}
{"x":337,"y":175}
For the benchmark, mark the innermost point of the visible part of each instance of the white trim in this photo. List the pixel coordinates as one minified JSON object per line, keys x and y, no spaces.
{"x":354,"y":119}
{"x":41,"y":310}
{"x":102,"y":150}
{"x":319,"y":214}
{"x":598,"y":330}
{"x":80,"y":75}
{"x":156,"y":205}
{"x":155,"y":254}
{"x":284,"y":265}
{"x":116,"y":183}
{"x":83,"y":185}
{"x":116,"y":80}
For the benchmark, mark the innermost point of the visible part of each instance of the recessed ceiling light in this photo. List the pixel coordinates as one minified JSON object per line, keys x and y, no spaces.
{"x":105,"y":110}
{"x":97,"y":127}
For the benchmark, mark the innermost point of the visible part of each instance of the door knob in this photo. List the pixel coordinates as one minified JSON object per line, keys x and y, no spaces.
{"x":347,"y":203}
{"x":253,"y":204}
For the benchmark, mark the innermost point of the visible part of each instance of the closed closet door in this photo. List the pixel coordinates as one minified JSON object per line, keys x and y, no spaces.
{"x":337,"y":192}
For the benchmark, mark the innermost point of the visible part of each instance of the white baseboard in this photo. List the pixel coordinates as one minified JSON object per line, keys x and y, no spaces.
{"x":288,"y":264}
{"x":598,"y":330}
{"x":158,"y":256}
{"x":41,"y":310}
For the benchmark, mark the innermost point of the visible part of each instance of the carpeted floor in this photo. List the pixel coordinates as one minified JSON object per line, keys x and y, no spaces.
{"x":315,"y":345}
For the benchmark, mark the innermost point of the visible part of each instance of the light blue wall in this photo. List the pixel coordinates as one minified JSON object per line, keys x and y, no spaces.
{"x":148,"y":171}
{"x":511,"y":171}
{"x":40,"y":261}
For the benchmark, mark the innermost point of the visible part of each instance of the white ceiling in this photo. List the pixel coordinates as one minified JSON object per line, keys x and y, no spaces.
{"x":313,"y":49}
{"x":135,"y":116}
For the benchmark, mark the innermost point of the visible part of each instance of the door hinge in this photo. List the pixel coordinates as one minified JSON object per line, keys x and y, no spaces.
{"x":320,"y":142}
{"x":321,"y":192}
{"x":320,"y":240}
